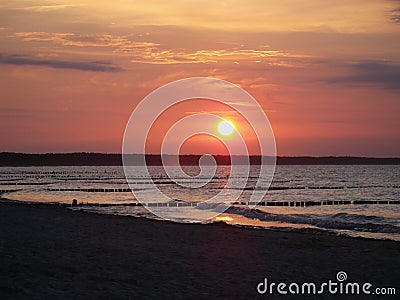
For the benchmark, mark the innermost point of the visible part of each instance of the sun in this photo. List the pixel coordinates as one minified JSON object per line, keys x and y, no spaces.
{"x":226,"y":127}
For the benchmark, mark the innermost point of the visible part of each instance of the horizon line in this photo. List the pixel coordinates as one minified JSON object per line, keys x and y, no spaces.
{"x":192,"y":154}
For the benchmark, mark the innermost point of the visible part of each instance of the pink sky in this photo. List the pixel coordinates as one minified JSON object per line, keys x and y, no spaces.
{"x":326,"y":72}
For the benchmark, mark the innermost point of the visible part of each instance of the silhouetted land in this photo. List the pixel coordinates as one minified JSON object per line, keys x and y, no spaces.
{"x":100,"y":159}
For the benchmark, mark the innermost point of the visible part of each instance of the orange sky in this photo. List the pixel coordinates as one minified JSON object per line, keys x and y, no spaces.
{"x":326,"y":72}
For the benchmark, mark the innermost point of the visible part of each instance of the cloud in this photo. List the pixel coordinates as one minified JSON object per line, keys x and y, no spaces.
{"x":96,"y":66}
{"x":225,"y":112}
{"x":146,"y":52}
{"x":122,"y":43}
{"x":41,"y":8}
{"x":176,"y":56}
{"x":395,"y":15}
{"x":383,"y":73}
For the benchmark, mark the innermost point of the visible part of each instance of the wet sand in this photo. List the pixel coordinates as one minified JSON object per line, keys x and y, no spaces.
{"x":52,"y":252}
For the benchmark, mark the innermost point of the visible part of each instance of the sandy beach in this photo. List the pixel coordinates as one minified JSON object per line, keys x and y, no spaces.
{"x":52,"y":252}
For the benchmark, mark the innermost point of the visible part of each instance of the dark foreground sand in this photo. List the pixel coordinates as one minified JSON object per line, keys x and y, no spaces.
{"x":51,"y":252}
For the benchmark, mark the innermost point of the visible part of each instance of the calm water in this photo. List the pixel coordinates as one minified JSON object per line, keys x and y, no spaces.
{"x":87,"y":184}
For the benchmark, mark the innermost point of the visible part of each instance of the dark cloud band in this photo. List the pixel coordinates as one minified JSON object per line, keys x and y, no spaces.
{"x":95,"y":66}
{"x":372,"y":72}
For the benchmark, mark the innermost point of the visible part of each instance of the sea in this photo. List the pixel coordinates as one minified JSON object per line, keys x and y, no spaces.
{"x":351,"y":200}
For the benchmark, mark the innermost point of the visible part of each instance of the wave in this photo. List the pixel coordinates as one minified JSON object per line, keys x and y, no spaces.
{"x":340,"y":221}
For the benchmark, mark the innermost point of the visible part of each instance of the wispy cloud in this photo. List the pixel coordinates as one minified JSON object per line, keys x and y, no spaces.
{"x":177,"y":56}
{"x":394,"y":15}
{"x":225,"y":112}
{"x":96,"y":66}
{"x":147,"y":52}
{"x":122,"y":43}
{"x":383,"y":73}
{"x":44,"y":8}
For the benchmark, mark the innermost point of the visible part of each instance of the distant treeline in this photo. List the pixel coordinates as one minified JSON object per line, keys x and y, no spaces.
{"x":100,"y":159}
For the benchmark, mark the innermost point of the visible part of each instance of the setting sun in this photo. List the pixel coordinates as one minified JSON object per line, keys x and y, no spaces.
{"x":226,"y":127}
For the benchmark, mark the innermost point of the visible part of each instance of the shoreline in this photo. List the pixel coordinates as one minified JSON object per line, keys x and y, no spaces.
{"x":80,"y":207}
{"x":51,"y":251}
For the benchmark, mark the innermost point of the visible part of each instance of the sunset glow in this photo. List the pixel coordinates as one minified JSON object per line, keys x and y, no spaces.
{"x":325,"y":72}
{"x":224,"y":218}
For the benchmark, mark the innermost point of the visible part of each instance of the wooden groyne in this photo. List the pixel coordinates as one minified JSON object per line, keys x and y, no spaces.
{"x":92,"y":190}
{"x":264,"y":203}
{"x":8,"y":191}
